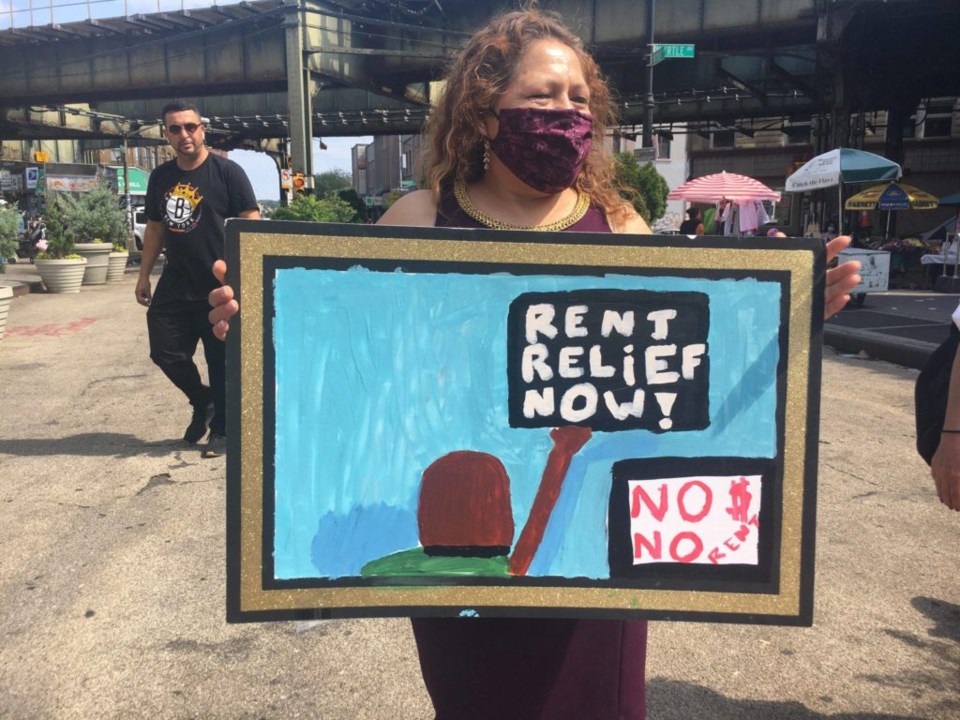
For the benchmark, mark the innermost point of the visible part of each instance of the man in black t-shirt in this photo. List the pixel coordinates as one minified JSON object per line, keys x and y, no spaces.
{"x":188,"y":200}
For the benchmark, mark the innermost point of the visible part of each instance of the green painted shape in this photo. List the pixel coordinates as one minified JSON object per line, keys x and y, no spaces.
{"x":416,"y":562}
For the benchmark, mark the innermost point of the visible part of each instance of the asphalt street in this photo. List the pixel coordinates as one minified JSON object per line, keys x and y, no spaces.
{"x":112,"y":562}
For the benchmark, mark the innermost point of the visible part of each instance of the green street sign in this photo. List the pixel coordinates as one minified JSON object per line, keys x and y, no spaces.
{"x":663,"y":51}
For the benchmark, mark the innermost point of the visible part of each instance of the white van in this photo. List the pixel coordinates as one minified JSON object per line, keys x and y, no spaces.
{"x":139,"y":225}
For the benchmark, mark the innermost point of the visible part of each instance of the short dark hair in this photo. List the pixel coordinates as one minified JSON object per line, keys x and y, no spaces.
{"x":693,"y":212}
{"x":179,"y":106}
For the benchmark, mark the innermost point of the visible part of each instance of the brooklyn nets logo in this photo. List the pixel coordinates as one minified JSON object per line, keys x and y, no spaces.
{"x":183,"y":208}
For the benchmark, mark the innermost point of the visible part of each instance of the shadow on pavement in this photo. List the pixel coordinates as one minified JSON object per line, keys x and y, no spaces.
{"x":945,"y":615}
{"x":117,"y":445}
{"x":676,"y":700}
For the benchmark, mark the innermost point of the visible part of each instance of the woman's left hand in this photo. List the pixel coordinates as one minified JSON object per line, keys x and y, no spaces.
{"x":840,"y":279}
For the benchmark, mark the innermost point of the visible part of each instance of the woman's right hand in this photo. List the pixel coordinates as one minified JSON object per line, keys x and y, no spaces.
{"x":222,"y":302}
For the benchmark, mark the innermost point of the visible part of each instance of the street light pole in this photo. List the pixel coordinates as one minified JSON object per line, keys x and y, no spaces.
{"x":648,"y":104}
{"x":126,"y":186}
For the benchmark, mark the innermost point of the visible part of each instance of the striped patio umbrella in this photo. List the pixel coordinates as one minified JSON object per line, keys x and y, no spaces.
{"x":892,"y":196}
{"x":723,"y":186}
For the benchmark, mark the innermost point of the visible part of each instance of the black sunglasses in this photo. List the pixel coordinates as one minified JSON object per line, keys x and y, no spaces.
{"x":191,"y":128}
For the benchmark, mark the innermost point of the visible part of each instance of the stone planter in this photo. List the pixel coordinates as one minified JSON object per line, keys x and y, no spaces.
{"x":6,"y":297}
{"x":61,"y":276}
{"x":98,"y":259}
{"x":116,"y":265}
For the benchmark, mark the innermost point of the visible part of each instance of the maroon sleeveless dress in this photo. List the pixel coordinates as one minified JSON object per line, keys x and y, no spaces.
{"x":532,"y":669}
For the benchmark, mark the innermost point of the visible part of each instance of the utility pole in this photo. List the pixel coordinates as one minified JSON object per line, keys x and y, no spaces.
{"x":128,"y":205}
{"x":648,"y":103}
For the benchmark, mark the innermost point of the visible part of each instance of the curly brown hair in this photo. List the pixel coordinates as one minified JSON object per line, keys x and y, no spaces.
{"x":479,"y":75}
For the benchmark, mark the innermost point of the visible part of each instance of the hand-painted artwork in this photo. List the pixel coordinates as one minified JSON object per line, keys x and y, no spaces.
{"x":444,"y":422}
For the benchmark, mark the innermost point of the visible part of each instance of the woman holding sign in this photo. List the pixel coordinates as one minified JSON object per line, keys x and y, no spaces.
{"x":516,"y":143}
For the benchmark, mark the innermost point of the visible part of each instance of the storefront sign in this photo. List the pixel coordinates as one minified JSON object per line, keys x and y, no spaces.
{"x":71,"y":183}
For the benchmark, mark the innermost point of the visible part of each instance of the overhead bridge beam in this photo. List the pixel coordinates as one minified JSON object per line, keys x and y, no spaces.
{"x":147,"y":56}
{"x":777,"y":56}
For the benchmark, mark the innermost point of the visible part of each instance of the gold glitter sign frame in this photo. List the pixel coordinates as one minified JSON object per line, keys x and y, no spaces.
{"x":393,"y":394}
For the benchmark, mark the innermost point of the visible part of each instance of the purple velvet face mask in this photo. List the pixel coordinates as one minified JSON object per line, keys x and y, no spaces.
{"x":544,"y":148}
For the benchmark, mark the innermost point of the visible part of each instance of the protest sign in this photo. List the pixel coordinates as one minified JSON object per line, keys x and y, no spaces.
{"x":488,"y":423}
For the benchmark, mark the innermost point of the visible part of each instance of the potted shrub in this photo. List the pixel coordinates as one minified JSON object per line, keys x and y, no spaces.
{"x":97,"y":223}
{"x":6,"y":300}
{"x":117,"y":264}
{"x":9,"y":236}
{"x":60,"y":268}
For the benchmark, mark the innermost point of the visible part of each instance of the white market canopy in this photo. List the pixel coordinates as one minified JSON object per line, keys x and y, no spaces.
{"x":842,"y":166}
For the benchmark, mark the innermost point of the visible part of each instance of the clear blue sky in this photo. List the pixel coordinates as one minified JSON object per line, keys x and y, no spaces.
{"x":262,"y":170}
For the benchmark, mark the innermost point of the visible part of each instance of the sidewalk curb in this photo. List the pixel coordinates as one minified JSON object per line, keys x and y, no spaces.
{"x":901,"y":351}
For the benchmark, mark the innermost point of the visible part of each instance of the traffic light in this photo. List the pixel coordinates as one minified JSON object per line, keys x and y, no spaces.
{"x":299,"y":183}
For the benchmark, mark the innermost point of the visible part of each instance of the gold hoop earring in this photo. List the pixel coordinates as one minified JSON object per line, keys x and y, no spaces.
{"x":486,"y":154}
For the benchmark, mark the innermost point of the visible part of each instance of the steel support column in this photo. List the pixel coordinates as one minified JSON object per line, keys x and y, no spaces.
{"x":299,"y":94}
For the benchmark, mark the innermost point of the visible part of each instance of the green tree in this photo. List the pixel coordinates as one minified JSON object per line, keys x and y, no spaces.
{"x":350,"y":197}
{"x":9,"y":234}
{"x":313,"y":209}
{"x":57,"y":221}
{"x":642,"y":186}
{"x":96,"y":215}
{"x":330,"y":181}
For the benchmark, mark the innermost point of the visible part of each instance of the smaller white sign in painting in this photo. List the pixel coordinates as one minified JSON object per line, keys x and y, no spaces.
{"x":695,"y":520}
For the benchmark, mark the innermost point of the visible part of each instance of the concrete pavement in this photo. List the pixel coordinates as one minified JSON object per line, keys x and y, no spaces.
{"x":899,"y":326}
{"x":112,"y":560}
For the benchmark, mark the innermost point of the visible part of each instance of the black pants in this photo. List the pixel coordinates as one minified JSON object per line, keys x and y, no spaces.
{"x":174,"y":332}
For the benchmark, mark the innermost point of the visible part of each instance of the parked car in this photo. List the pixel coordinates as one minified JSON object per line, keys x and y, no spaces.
{"x":139,"y":225}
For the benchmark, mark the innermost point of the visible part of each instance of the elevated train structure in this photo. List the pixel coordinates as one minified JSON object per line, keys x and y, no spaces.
{"x":283,"y":71}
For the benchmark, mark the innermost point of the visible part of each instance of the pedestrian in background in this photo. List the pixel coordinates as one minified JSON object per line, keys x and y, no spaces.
{"x":693,"y":225}
{"x":188,"y":200}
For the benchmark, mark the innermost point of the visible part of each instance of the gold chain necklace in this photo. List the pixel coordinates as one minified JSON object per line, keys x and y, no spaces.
{"x":466,"y":204}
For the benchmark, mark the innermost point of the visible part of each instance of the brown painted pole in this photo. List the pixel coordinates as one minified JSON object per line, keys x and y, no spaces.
{"x":567,"y":441}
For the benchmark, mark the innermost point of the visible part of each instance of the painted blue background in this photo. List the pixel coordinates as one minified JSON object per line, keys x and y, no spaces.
{"x":379,"y":374}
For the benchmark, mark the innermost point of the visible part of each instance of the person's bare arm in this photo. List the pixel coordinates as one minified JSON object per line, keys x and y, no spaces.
{"x":152,"y":246}
{"x":418,"y":209}
{"x":945,"y":465}
{"x":629,"y":222}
